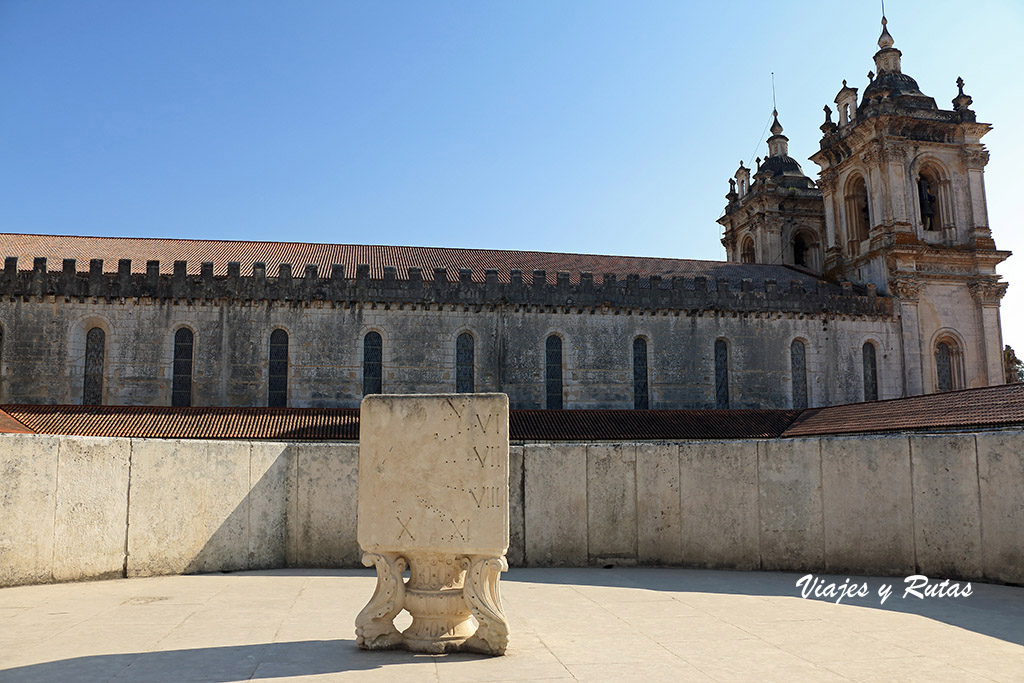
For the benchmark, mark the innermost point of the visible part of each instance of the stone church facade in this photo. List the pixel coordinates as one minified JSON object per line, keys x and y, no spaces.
{"x":877,"y":281}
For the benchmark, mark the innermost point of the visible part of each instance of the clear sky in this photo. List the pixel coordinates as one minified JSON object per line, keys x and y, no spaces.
{"x":588,"y":126}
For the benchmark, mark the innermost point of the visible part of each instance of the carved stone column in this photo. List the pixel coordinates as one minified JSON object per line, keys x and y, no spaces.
{"x":908,"y":289}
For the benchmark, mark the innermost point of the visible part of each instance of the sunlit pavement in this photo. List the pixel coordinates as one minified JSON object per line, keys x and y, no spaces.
{"x":571,"y":624}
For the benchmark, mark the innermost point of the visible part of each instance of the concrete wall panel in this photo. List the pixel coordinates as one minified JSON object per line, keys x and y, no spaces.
{"x":516,"y":532}
{"x":611,"y":503}
{"x":556,"y":505}
{"x":947,"y":514}
{"x":1001,"y":478}
{"x":268,"y":477}
{"x":188,"y":509}
{"x":659,"y":529}
{"x":789,"y":472}
{"x":322,"y":491}
{"x":28,"y":477}
{"x":869,"y":514}
{"x":91,"y":508}
{"x":719,"y":504}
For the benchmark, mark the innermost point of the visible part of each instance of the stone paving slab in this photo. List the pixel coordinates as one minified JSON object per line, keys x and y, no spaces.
{"x":567,"y":624}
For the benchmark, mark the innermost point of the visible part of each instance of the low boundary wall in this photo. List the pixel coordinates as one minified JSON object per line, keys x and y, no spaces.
{"x":948,"y":505}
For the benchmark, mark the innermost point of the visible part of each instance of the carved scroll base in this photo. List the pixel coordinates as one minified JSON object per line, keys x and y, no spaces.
{"x":454,"y":601}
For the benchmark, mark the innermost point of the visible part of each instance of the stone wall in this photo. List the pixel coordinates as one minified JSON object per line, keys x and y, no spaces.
{"x":946,"y":505}
{"x":43,"y":355}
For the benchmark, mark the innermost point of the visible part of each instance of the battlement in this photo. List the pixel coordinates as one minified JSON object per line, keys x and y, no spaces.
{"x":633,"y":292}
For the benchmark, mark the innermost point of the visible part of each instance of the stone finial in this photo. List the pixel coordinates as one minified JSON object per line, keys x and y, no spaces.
{"x":828,"y":114}
{"x":961,"y":102}
{"x":885,"y":40}
{"x":871,"y":76}
{"x":778,"y":144}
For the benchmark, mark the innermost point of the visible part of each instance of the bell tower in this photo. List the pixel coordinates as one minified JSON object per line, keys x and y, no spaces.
{"x":778,"y":217}
{"x":904,"y":196}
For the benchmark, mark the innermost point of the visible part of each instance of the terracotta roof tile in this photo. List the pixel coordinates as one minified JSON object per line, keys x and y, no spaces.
{"x":647,"y":425}
{"x":55,"y":248}
{"x":968,"y":408}
{"x":8,"y":425}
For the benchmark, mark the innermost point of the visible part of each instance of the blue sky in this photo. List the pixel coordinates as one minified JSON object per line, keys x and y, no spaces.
{"x":603,"y":127}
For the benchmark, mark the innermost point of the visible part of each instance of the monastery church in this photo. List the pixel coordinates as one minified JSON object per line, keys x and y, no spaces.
{"x":877,"y":280}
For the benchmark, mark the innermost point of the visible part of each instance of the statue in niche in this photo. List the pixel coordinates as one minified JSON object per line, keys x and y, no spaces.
{"x":927,"y":200}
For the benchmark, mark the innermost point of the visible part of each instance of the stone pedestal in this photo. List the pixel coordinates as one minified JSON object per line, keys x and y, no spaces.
{"x":433,"y":499}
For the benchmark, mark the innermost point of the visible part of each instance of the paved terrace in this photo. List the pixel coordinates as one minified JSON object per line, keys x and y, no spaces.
{"x":567,"y":624}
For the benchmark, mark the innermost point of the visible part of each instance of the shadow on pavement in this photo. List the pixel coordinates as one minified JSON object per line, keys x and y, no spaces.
{"x":992,"y":610}
{"x":213,"y":664}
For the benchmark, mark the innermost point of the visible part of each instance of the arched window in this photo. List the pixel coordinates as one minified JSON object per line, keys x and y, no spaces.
{"x":373,"y":364}
{"x":747,"y":252}
{"x":721,"y":374}
{"x":802,"y":250}
{"x":181,"y":383}
{"x":870,"y":363}
{"x":641,"y":400}
{"x":277,"y":387}
{"x":95,"y":351}
{"x":464,"y":353}
{"x":948,"y":364}
{"x":798,"y":366}
{"x":858,"y":213}
{"x":553,"y":372}
{"x":929,"y":190}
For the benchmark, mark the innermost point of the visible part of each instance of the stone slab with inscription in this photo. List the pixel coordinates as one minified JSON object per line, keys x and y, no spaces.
{"x":433,"y":499}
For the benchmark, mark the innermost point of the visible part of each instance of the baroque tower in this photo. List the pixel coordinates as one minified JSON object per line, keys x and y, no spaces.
{"x":904,"y":196}
{"x":777,"y":218}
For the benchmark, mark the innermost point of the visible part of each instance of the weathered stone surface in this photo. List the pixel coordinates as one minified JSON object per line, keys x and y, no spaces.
{"x":188,"y":509}
{"x":1001,"y":480}
{"x":434,"y":496}
{"x":611,"y":504}
{"x":869,"y":513}
{"x":28,"y":477}
{"x":947,"y":518}
{"x":516,"y":530}
{"x":659,"y":527}
{"x":267,"y":526}
{"x":91,"y":508}
{"x":433,"y":473}
{"x":556,"y":505}
{"x":322,"y":492}
{"x":718,"y":496}
{"x":789,"y":472}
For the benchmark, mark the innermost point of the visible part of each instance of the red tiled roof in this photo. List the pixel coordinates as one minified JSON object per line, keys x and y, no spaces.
{"x":969,"y":408}
{"x":55,"y":248}
{"x":8,"y":425}
{"x":644,"y":425}
{"x":164,"y":422}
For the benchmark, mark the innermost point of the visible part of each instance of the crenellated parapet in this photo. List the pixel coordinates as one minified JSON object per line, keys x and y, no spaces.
{"x":799,"y":295}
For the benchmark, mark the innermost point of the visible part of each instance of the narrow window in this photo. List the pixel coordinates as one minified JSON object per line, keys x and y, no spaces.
{"x":553,"y":375}
{"x":464,"y":383}
{"x":800,"y":251}
{"x":798,"y":365}
{"x":181,"y":385}
{"x":277,"y":388}
{"x":640,"y":397}
{"x":95,"y":343}
{"x":947,"y":365}
{"x":721,"y":375}
{"x":870,"y":372}
{"x":373,"y":364}
{"x":858,"y":213}
{"x":747,"y":253}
